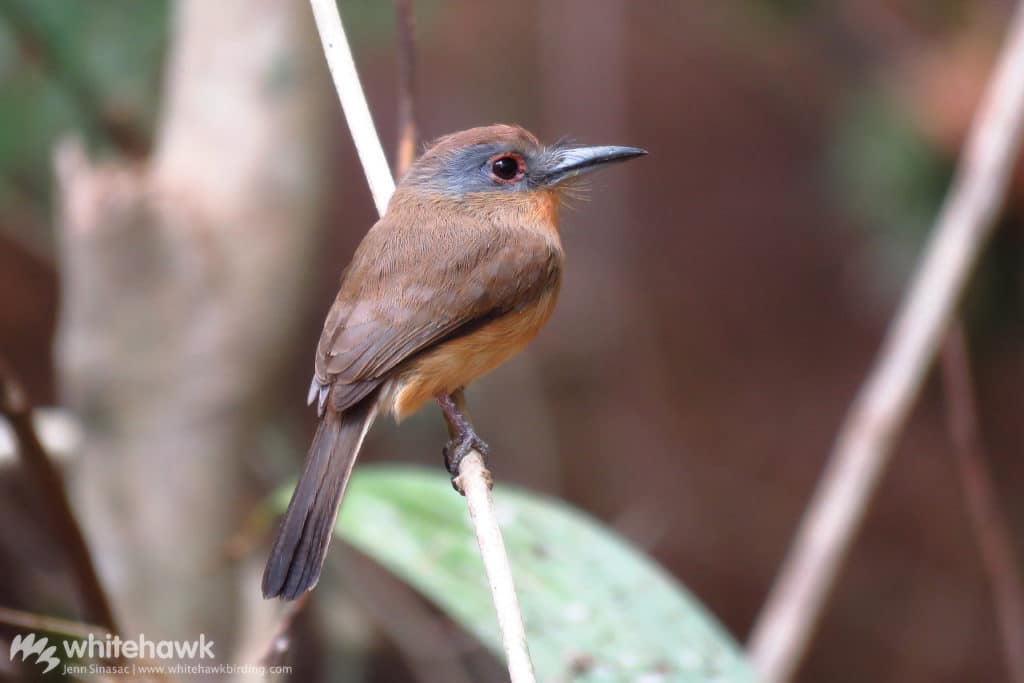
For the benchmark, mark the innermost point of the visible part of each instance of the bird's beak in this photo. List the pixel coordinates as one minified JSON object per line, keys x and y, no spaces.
{"x":570,"y":162}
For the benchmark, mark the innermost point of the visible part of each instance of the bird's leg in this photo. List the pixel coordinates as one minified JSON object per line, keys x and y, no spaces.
{"x":463,"y":437}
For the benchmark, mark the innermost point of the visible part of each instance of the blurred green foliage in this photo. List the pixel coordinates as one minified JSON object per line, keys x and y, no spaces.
{"x":69,"y":65}
{"x":890,"y":177}
{"x":88,"y":66}
{"x":596,"y":608}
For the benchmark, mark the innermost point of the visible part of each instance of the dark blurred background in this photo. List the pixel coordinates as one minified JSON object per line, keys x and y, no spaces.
{"x":723,"y":299}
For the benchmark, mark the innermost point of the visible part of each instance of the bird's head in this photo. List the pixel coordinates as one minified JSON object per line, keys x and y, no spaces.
{"x":503,"y":161}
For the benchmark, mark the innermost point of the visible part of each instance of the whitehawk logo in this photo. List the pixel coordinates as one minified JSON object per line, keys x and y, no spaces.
{"x":28,"y":645}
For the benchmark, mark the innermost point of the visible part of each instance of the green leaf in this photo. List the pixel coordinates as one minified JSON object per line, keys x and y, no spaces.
{"x":596,"y":609}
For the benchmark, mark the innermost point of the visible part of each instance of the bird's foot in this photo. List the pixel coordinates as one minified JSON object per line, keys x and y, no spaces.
{"x":456,"y":450}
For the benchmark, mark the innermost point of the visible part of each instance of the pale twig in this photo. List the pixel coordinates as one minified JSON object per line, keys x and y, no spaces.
{"x":475,"y":482}
{"x":474,"y":477}
{"x":353,"y":102}
{"x":991,"y":528}
{"x":788,"y":620}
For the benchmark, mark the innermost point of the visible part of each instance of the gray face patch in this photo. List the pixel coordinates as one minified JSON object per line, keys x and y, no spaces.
{"x":468,"y":170}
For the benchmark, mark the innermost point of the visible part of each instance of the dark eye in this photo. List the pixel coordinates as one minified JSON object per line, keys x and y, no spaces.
{"x":507,"y":168}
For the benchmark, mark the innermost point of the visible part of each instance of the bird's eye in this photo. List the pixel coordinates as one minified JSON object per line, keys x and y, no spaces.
{"x":507,"y":168}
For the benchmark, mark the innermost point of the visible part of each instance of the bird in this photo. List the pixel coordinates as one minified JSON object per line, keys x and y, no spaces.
{"x":458,"y":275}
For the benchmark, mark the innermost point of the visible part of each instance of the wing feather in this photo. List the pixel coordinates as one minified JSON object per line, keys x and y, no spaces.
{"x":409,"y":288}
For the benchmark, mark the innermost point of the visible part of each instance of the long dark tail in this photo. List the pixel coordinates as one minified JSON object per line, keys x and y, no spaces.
{"x":301,"y":546}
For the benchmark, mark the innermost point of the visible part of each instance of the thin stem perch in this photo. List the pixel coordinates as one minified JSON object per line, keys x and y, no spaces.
{"x":864,"y":444}
{"x":475,"y":481}
{"x":353,"y":102}
{"x":473,"y":475}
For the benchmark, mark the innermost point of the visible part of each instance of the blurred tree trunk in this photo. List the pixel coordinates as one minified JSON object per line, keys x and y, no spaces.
{"x":183,"y":280}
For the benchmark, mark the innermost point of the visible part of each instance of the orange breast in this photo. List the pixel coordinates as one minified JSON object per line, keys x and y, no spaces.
{"x":456,"y":363}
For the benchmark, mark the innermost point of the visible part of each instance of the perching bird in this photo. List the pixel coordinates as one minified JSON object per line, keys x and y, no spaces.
{"x":459,"y":275}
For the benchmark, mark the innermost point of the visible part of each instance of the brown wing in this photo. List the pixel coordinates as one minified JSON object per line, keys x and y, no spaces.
{"x":410,"y":287}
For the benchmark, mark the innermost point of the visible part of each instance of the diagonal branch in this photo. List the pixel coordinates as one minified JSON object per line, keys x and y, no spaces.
{"x":473,"y":475}
{"x":353,"y":102}
{"x":991,"y":528}
{"x":865,"y":442}
{"x":15,"y":407}
{"x":55,"y":625}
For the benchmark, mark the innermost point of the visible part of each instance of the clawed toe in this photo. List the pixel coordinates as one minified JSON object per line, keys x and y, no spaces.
{"x":456,"y":450}
{"x":464,"y":441}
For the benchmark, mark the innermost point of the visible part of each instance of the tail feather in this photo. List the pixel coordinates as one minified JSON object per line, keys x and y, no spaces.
{"x":301,"y":545}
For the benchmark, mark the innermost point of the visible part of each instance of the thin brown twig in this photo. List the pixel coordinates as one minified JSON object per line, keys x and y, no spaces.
{"x":407,"y":129}
{"x":865,"y":443}
{"x":47,"y":624}
{"x":990,"y":525}
{"x":68,"y":629}
{"x":15,"y":407}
